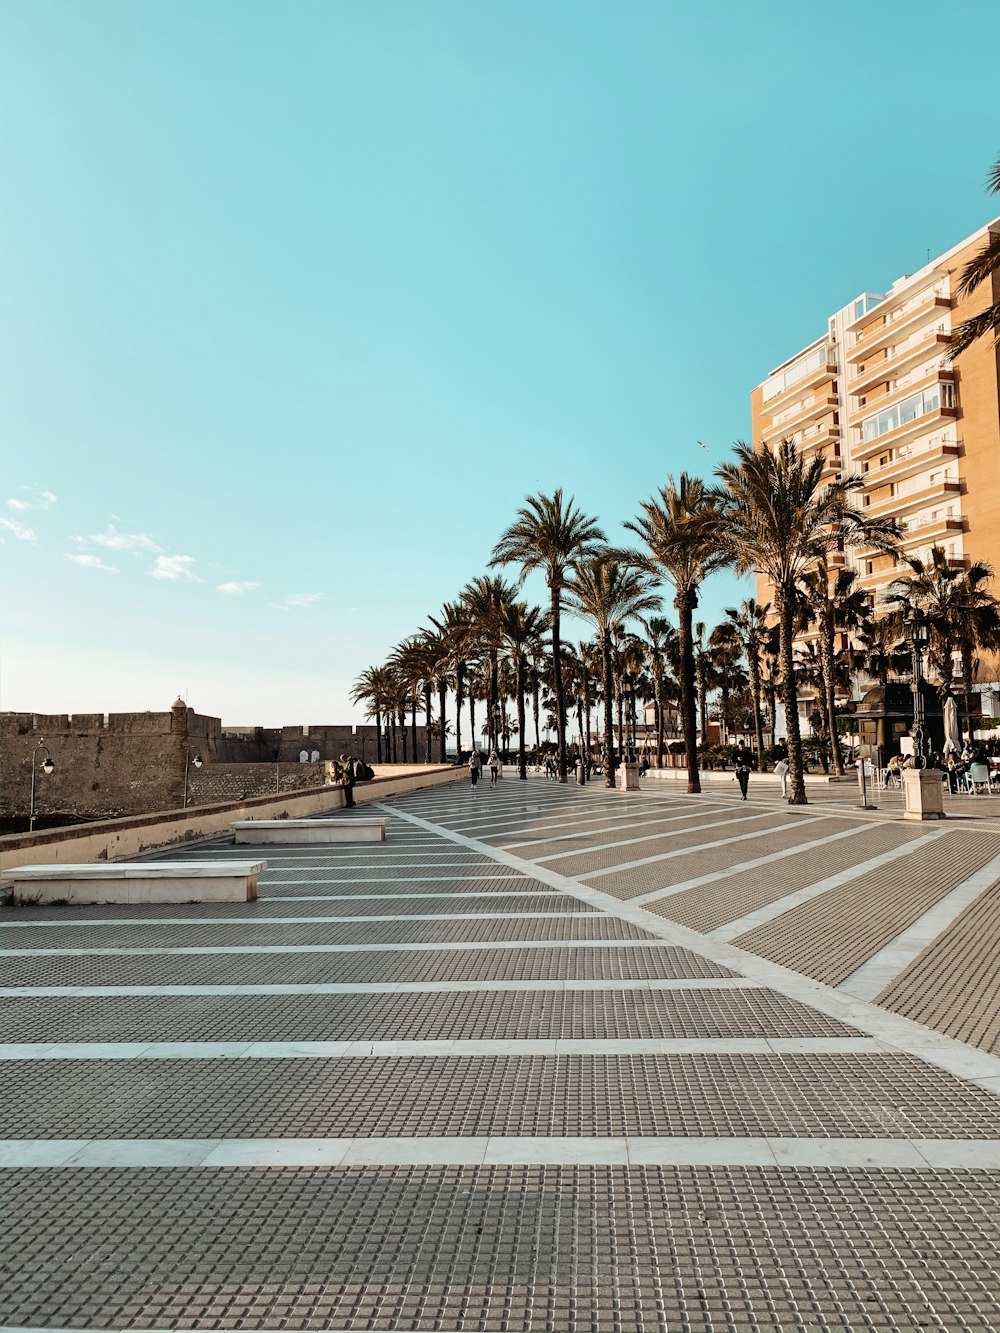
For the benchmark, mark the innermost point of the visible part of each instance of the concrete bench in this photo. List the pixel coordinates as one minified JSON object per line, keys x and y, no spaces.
{"x":137,"y":882}
{"x":287,"y":832}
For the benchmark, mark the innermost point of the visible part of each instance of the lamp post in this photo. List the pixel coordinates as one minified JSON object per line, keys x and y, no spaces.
{"x":916,"y":623}
{"x":48,"y":766}
{"x":188,"y":761}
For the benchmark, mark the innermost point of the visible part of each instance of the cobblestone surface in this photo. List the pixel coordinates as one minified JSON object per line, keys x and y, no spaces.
{"x":487,"y":1015}
{"x":834,"y":1096}
{"x":834,"y":934}
{"x":523,"y":1249}
{"x":954,"y":985}
{"x":555,"y":1250}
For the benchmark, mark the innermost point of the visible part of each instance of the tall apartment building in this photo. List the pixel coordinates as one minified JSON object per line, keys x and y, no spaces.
{"x":876,"y":396}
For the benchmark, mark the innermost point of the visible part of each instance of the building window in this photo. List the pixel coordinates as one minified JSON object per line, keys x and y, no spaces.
{"x":901,"y":414}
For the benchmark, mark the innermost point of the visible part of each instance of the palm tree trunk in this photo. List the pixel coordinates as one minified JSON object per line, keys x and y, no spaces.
{"x":609,"y":740}
{"x":586,"y":715}
{"x":402,"y":731}
{"x":557,"y":681}
{"x":413,"y":724}
{"x":442,"y":704}
{"x":459,"y":700}
{"x":378,"y":737}
{"x":658,"y":703}
{"x":685,"y":604}
{"x":428,"y":727}
{"x":789,"y":695}
{"x":827,"y":648}
{"x":522,"y":760}
{"x":753,"y":667}
{"x":620,"y":710}
{"x":472,"y":718}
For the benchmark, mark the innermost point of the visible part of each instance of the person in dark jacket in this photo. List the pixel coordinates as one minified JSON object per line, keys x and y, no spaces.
{"x":744,"y":762}
{"x":347,"y":779}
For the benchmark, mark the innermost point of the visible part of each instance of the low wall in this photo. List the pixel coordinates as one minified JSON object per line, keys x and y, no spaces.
{"x":118,"y":839}
{"x":711,"y":775}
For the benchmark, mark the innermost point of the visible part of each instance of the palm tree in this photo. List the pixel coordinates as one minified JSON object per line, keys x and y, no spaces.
{"x":976,"y":272}
{"x":750,"y":623}
{"x":680,"y":527}
{"x":726,"y":656}
{"x":834,"y":603}
{"x":962,"y":614}
{"x":410,"y":662}
{"x":549,"y":534}
{"x":660,"y":636}
{"x":608,"y":593}
{"x":486,"y":601}
{"x":452,"y":624}
{"x":374,"y":687}
{"x":780,"y":520}
{"x":522,"y":629}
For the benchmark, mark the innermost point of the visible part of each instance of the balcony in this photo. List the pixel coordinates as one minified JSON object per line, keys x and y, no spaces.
{"x":904,"y":504}
{"x":910,"y":462}
{"x":904,"y":433}
{"x":895,"y":325}
{"x":892,"y":367}
{"x":812,"y":380}
{"x":815,"y":406}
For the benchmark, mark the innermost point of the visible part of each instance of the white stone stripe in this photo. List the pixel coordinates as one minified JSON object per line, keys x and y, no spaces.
{"x":299,"y":920}
{"x":383,"y":879}
{"x":393,"y":897}
{"x":357,"y":1048}
{"x":700,"y":880}
{"x":742,"y":925}
{"x":899,"y":1154}
{"x":614,"y":828}
{"x":702,"y":846}
{"x":396,"y":947}
{"x":654,"y":837}
{"x":531,"y":824}
{"x":376,"y":988}
{"x":901,"y":1033}
{"x":871,"y":978}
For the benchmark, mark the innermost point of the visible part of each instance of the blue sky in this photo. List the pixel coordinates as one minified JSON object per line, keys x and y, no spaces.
{"x":301,"y":300}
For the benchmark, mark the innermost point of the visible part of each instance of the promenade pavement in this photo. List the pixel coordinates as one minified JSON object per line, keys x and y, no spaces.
{"x":549,"y":1058}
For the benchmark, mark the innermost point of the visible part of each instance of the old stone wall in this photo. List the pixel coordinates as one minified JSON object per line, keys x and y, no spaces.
{"x":239,"y":782}
{"x":106,"y":765}
{"x":286,"y":744}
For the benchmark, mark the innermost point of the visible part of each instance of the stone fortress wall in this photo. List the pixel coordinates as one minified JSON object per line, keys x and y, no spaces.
{"x":115,"y":764}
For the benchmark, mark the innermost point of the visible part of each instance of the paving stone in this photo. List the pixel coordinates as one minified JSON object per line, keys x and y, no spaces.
{"x":952,"y":985}
{"x":637,"y":962}
{"x":559,"y":1250}
{"x":830,"y":936}
{"x":497,"y":1015}
{"x":834,"y":1096}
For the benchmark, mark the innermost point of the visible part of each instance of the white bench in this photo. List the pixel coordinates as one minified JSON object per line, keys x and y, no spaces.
{"x":287,"y":832}
{"x":137,"y":882}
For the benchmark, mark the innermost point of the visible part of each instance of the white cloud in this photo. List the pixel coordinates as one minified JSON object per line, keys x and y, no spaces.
{"x":174,"y":567}
{"x":302,"y":598}
{"x":92,"y":562}
{"x":19,"y":530}
{"x":113,"y":540}
{"x":33,"y":500}
{"x":237,"y":586}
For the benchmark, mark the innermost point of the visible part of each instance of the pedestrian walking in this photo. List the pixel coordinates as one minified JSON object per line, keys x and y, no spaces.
{"x":781,"y":768}
{"x":494,"y":766}
{"x":475,"y":767}
{"x":744,"y":762}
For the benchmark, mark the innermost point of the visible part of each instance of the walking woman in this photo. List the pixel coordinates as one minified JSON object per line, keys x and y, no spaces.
{"x":744,"y":762}
{"x":475,"y":767}
{"x":494,"y":766}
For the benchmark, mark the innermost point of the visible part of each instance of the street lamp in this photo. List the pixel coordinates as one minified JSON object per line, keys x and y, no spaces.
{"x":919,"y":632}
{"x":48,"y":766}
{"x":197,"y":761}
